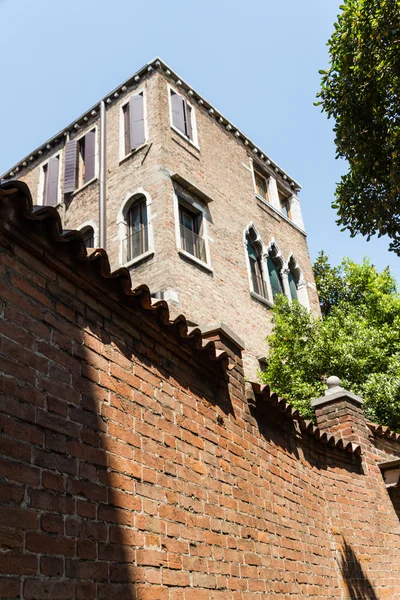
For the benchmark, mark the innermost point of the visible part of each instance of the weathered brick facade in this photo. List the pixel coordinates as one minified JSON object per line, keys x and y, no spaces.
{"x":135,"y":464}
{"x":221,"y":168}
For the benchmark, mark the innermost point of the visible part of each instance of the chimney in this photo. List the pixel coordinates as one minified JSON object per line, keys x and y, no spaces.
{"x":341,"y":413}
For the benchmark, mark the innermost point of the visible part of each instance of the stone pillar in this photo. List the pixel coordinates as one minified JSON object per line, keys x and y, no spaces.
{"x":341,"y":413}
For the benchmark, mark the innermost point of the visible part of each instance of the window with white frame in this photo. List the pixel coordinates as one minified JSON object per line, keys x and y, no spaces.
{"x":261,"y":183}
{"x":254,"y":253}
{"x":274,"y":265}
{"x":88,"y":236}
{"x":182,"y":116}
{"x":191,"y":227}
{"x":284,"y":202}
{"x":133,"y":124}
{"x":136,"y":242}
{"x":80,"y":161}
{"x":49,"y":194}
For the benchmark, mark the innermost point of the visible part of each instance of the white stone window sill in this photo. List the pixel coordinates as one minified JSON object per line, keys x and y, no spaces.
{"x":132,"y":152}
{"x":84,"y":186}
{"x":185,"y":137}
{"x":137,"y":259}
{"x":196,"y":260}
{"x":261,"y":299}
{"x":278,"y":212}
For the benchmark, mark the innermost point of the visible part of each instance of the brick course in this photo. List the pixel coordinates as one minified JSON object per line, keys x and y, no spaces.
{"x":134,"y":467}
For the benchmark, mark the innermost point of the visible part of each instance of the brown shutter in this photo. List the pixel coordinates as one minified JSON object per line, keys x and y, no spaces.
{"x":178,"y":118}
{"x":89,"y":156}
{"x":136,"y":115}
{"x":51,"y":192}
{"x":188,"y":118}
{"x":127,"y":132}
{"x":70,"y":167}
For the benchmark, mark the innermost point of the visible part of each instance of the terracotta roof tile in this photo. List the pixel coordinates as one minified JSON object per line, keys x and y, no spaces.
{"x":306,"y":427}
{"x":383,"y":431}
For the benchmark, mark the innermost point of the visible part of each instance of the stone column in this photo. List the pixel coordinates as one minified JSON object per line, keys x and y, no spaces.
{"x":340,"y":412}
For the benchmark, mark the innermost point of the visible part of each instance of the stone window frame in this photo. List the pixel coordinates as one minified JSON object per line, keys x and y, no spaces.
{"x":195,"y":140}
{"x":126,"y":100}
{"x":198,"y":207}
{"x":95,"y":228}
{"x":40,"y":189}
{"x":257,"y":242}
{"x":122,"y":226}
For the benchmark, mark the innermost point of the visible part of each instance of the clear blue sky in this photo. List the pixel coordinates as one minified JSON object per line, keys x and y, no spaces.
{"x":257,"y":61}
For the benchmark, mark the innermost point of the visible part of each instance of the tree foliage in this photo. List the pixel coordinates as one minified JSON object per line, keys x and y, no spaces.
{"x":361,"y":91}
{"x":357,"y":339}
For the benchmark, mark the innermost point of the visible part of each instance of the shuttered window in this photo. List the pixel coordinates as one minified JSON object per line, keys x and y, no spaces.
{"x":80,"y":162}
{"x":261,"y":185}
{"x":51,"y":182}
{"x":292,"y":286}
{"x":133,"y":123}
{"x":257,"y":280}
{"x":182,"y":114}
{"x":274,"y":277}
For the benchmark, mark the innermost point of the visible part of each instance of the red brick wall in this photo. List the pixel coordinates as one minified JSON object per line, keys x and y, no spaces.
{"x":130,"y":470}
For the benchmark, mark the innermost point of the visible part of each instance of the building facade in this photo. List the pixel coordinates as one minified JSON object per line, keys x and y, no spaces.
{"x":182,"y":198}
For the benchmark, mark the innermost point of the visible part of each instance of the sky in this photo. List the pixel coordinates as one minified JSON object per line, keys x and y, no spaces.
{"x":256,"y":61}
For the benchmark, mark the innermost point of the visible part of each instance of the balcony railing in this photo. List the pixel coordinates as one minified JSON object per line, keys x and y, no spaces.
{"x":135,"y":244}
{"x":259,"y":286}
{"x":193,"y":244}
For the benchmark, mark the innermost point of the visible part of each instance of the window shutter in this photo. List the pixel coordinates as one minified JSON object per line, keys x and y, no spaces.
{"x":292,"y":286}
{"x":90,"y":154}
{"x":70,"y":170}
{"x":136,"y":113}
{"x":51,"y":192}
{"x":188,"y":118}
{"x":178,"y":117}
{"x":274,"y":277}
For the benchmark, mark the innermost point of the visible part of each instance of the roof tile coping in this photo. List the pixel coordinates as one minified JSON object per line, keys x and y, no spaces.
{"x":98,"y":257}
{"x":306,"y":427}
{"x":383,"y":431}
{"x":156,"y":63}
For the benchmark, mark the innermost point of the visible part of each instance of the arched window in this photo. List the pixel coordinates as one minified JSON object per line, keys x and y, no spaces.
{"x":274,"y":272}
{"x":254,"y":254}
{"x":136,"y":242}
{"x":297,"y":288}
{"x":88,"y":236}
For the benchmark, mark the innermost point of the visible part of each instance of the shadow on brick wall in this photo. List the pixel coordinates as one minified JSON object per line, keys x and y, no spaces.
{"x":356,"y":581}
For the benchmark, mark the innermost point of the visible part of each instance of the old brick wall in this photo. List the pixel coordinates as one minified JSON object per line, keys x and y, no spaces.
{"x":130,"y":468}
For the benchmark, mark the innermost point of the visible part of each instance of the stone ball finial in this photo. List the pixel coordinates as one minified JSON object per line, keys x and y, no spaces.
{"x":333,"y":381}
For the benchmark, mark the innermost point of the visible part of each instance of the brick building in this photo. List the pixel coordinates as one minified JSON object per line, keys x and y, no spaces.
{"x":136,"y":464}
{"x":175,"y":192}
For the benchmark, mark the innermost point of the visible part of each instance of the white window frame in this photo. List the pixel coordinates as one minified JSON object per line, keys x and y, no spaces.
{"x":195,"y":140}
{"x":126,"y":101}
{"x":200,"y":209}
{"x":41,"y":179}
{"x":264,"y":270}
{"x":93,"y":225}
{"x":96,"y":157}
{"x":301,"y":285}
{"x":122,"y":226}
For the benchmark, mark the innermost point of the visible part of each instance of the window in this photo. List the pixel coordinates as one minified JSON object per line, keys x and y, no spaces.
{"x":182,"y":115}
{"x":133,"y":124}
{"x":284,"y":201}
{"x":261,"y":186}
{"x":253,"y":251}
{"x":190,"y":224}
{"x":80,"y":161}
{"x":136,"y":241}
{"x":88,"y":236}
{"x":50,"y":182}
{"x":274,"y":272}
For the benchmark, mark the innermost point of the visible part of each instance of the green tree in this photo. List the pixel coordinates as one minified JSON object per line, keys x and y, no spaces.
{"x":357,"y":339}
{"x":361,"y":91}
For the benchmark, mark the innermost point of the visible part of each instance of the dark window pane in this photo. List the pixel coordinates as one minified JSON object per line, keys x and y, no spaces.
{"x":88,"y":236}
{"x":191,"y":241}
{"x":136,"y":242}
{"x":274,"y":277}
{"x":292,"y":286}
{"x":127,"y":130}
